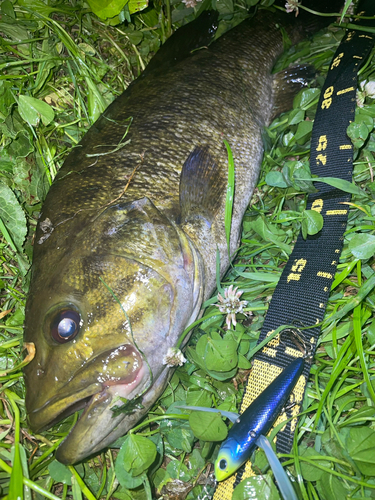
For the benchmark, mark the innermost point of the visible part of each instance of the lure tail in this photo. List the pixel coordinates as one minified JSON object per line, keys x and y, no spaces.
{"x":233,"y":417}
{"x":285,"y":486}
{"x":283,"y":481}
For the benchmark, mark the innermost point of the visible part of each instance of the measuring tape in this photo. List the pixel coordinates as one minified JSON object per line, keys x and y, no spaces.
{"x":302,"y":293}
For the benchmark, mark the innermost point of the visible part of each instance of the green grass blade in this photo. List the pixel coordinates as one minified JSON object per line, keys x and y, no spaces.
{"x":340,"y":364}
{"x":359,"y":345}
{"x":16,"y":478}
{"x":81,"y":484}
{"x":230,"y":196}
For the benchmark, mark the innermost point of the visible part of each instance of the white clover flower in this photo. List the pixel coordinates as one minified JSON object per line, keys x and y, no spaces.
{"x":291,"y":6}
{"x":174,"y":357}
{"x":190,"y":3}
{"x":231,"y":304}
{"x":370,"y":89}
{"x":367,"y":90}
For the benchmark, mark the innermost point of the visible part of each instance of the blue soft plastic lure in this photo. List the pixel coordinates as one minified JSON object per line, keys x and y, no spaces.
{"x":253,"y":424}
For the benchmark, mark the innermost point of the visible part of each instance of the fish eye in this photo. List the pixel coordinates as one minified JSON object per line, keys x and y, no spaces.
{"x":223,"y":464}
{"x":65,"y":325}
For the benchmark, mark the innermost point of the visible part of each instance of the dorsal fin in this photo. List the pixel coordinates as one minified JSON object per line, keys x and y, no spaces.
{"x":194,"y":35}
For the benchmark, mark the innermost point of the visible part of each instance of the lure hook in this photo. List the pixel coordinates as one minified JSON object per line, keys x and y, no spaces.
{"x":299,"y":341}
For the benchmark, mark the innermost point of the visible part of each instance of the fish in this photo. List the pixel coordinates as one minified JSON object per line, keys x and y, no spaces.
{"x":250,"y":428}
{"x":126,"y":243}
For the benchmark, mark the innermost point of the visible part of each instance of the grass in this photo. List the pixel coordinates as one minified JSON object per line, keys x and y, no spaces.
{"x":76,"y":64}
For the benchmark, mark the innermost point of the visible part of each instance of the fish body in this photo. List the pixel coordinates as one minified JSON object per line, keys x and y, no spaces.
{"x":125,"y":248}
{"x":256,"y":421}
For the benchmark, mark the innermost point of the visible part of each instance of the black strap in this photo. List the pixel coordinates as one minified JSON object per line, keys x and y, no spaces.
{"x":302,"y":293}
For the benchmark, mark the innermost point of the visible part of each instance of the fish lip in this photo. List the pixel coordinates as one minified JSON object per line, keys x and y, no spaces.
{"x":82,"y":440}
{"x":44,"y":417}
{"x":73,"y":450}
{"x":66,"y":402}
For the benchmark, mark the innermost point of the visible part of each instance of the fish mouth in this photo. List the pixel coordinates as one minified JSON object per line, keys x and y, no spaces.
{"x":93,"y":430}
{"x":120,"y":372}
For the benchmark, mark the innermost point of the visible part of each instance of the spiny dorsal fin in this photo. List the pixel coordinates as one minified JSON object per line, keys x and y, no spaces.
{"x":198,"y":33}
{"x":202,"y":185}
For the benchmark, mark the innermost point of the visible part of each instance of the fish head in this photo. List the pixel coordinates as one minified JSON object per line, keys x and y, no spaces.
{"x":103,"y":318}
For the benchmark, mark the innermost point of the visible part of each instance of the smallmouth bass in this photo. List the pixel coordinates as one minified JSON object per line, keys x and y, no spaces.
{"x":125,"y":249}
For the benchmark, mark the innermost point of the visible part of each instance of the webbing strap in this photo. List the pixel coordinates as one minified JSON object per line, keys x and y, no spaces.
{"x":302,"y":293}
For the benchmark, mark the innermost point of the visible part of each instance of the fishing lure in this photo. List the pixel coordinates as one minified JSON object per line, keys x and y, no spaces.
{"x":254,"y":423}
{"x":256,"y":420}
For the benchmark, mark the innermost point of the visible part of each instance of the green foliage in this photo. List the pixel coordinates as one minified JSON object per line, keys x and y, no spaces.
{"x":309,"y":471}
{"x":256,"y":487}
{"x":107,"y":8}
{"x":60,"y":68}
{"x":219,"y":354}
{"x":16,"y":479}
{"x":32,"y":110}
{"x":177,"y":433}
{"x":360,"y":444}
{"x":360,"y":129}
{"x":208,"y":426}
{"x":123,"y":476}
{"x":139,"y":454}
{"x":362,"y":245}
{"x":216,"y":355}
{"x":12,"y":218}
{"x":331,"y":487}
{"x":60,"y":473}
{"x":312,"y":222}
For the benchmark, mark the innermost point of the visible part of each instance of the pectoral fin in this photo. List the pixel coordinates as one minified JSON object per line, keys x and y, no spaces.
{"x":202,"y":186}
